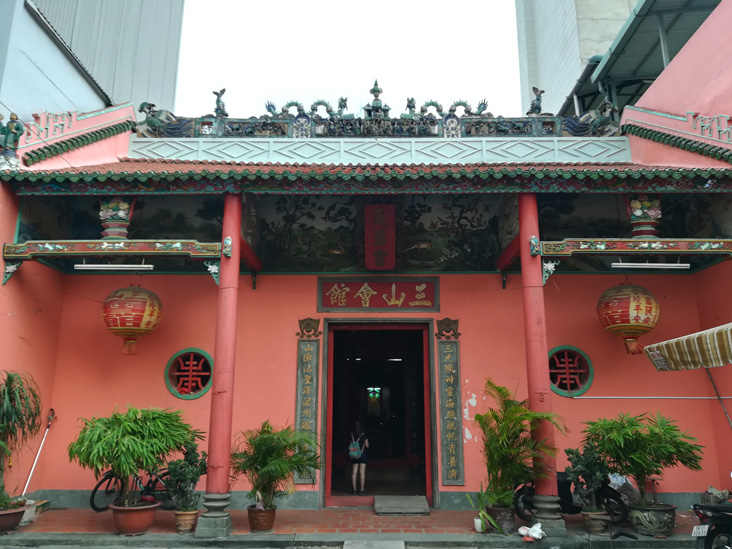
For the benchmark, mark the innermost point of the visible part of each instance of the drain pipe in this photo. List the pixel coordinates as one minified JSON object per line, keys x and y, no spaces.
{"x":51,"y":417}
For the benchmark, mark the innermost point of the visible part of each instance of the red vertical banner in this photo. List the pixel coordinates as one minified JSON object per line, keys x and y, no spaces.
{"x":380,"y":237}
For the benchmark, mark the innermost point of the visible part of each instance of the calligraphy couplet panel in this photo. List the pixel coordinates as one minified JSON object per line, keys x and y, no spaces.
{"x":378,"y":294}
{"x":306,"y":404}
{"x":451,"y":420}
{"x":380,"y":237}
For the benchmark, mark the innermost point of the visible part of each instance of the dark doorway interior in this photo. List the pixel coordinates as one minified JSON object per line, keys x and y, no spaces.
{"x":378,"y":377}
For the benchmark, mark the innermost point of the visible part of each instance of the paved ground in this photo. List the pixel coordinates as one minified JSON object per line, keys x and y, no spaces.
{"x":350,"y":528}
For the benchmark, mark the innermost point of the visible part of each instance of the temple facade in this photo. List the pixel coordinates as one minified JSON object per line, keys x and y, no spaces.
{"x":315,"y":266}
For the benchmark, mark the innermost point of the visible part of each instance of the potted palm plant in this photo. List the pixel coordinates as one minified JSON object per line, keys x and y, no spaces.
{"x":268,"y":457}
{"x":509,"y":450}
{"x":126,"y":443}
{"x":639,"y":447}
{"x":20,"y":420}
{"x":183,"y":475}
{"x":588,"y":471}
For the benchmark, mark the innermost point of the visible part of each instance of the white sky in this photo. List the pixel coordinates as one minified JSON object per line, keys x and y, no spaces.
{"x":282,"y":50}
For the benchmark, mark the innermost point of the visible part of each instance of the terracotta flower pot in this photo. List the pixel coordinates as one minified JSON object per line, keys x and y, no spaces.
{"x":261,"y":520}
{"x":185,"y":521}
{"x":133,"y":521}
{"x":10,"y":518}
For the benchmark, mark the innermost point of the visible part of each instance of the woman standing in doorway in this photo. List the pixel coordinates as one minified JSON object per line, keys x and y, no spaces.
{"x":359,"y":464}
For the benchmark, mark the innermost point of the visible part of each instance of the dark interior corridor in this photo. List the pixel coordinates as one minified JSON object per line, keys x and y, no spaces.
{"x":378,"y":378}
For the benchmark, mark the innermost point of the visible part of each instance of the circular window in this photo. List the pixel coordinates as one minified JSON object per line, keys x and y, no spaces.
{"x":570,"y":371}
{"x":188,"y":373}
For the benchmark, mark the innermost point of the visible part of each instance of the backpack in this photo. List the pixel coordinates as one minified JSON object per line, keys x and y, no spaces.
{"x":354,"y":448}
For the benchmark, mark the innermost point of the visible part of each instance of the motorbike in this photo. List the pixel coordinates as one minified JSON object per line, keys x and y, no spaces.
{"x":715,"y":528}
{"x":523,"y":500}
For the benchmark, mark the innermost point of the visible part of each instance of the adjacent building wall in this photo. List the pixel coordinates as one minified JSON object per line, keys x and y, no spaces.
{"x":35,"y":73}
{"x":556,"y":40}
{"x":130,"y":47}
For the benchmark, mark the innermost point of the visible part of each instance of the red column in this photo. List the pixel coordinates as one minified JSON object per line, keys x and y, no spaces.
{"x":537,"y":357}
{"x":222,"y":393}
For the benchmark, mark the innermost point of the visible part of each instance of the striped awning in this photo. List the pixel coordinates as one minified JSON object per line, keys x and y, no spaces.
{"x":707,"y":349}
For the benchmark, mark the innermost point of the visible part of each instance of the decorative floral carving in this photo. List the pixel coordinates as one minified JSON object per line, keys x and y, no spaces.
{"x":644,"y":207}
{"x":115,"y":209}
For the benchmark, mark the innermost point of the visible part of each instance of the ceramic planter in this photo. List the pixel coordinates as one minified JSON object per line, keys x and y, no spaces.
{"x":596,"y":522}
{"x":133,"y":521}
{"x":261,"y":520}
{"x":504,"y":517}
{"x":185,"y":521}
{"x":653,"y":520}
{"x":10,"y":518}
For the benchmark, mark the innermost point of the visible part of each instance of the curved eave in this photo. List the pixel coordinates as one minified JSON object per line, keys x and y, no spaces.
{"x":372,"y":179}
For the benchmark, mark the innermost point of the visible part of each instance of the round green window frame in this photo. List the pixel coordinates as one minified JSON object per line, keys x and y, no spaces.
{"x":590,"y":374}
{"x":171,"y":388}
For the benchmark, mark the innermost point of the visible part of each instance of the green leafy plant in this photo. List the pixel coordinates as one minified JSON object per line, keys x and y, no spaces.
{"x":184,"y":475}
{"x":509,"y":450}
{"x":588,"y":471}
{"x":269,"y":457}
{"x":20,"y":420}
{"x":139,"y":439}
{"x":479,"y":502}
{"x":642,"y":446}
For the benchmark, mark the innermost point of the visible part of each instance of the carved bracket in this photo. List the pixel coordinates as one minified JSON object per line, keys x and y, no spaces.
{"x":10,"y":268}
{"x":309,"y":328}
{"x":548,"y":269}
{"x":213,"y":269}
{"x":447,"y":328}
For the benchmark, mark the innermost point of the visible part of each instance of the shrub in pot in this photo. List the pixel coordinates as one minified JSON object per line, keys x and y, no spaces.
{"x":127,"y":443}
{"x":509,"y":450}
{"x":589,"y":471}
{"x":183,"y":475}
{"x":268,"y":457}
{"x":639,"y":447}
{"x":20,"y":420}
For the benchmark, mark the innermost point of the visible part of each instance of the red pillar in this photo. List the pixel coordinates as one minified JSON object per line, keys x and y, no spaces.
{"x":216,"y":522}
{"x":537,"y":353}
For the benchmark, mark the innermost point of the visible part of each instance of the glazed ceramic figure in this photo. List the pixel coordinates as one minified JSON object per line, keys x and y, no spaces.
{"x":13,"y":130}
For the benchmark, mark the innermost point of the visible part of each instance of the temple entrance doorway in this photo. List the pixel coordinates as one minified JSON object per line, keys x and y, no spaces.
{"x":380,"y":376}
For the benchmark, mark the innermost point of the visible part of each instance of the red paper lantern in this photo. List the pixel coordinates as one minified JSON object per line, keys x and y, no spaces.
{"x":131,"y":312}
{"x":629,"y":312}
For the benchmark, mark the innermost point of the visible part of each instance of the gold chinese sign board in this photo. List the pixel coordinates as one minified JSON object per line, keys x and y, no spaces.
{"x":306,"y":403}
{"x":451,"y":422}
{"x":378,"y":294}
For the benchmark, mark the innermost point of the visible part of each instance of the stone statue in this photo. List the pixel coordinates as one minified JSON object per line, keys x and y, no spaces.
{"x":13,"y":130}
{"x":220,"y":107}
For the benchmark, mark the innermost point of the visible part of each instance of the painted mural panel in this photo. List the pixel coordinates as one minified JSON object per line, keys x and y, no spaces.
{"x":326,"y":234}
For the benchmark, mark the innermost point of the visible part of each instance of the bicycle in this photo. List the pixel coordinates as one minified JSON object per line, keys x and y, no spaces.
{"x":108,"y":488}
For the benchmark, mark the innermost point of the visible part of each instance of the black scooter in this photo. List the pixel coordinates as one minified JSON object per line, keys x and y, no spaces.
{"x":715,"y":528}
{"x":523,"y":500}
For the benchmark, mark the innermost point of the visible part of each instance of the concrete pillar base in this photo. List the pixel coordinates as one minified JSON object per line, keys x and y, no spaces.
{"x":215,"y":522}
{"x":547,"y":513}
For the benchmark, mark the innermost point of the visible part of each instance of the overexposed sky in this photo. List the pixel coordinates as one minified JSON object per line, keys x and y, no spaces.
{"x":283,"y":50}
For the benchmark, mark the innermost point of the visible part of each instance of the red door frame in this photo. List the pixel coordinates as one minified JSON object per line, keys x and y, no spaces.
{"x":406,"y":325}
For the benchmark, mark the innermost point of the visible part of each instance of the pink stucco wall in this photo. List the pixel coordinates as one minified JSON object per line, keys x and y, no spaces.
{"x":83,"y":373}
{"x":30,"y":316}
